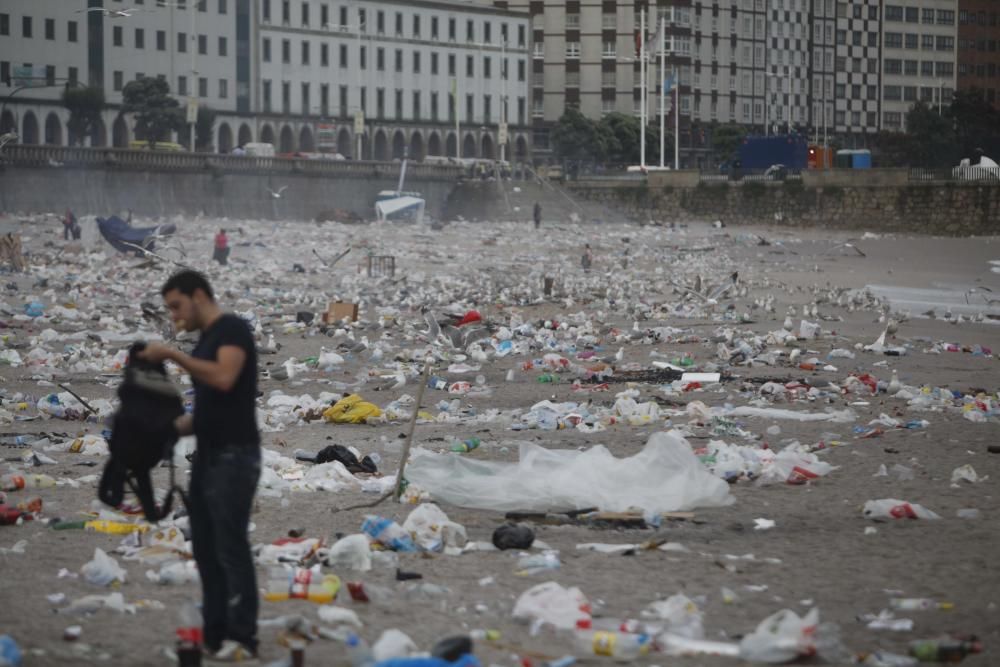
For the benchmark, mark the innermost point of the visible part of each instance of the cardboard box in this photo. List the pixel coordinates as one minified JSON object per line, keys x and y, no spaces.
{"x":337,"y":311}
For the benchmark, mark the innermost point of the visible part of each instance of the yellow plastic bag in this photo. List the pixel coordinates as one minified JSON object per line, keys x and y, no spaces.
{"x":351,"y":410}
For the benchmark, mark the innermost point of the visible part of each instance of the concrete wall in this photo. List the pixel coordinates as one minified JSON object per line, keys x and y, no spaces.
{"x":876,"y":200}
{"x":103,"y":181}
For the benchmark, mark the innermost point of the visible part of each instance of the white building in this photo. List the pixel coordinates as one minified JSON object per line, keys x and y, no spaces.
{"x":397,"y":67}
{"x":284,"y":72}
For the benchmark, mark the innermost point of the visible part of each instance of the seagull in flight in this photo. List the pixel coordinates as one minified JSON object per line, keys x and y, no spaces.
{"x":112,"y":13}
{"x":277,"y":195}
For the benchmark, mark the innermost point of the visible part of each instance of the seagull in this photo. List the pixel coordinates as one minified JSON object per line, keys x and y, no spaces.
{"x":277,"y":195}
{"x":112,"y":13}
{"x":8,"y":137}
{"x":54,"y":163}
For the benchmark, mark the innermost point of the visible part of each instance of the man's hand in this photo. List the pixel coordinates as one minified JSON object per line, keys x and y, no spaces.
{"x":157,"y":352}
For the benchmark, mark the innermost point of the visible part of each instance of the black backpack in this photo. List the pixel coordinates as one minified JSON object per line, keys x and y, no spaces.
{"x":142,"y":435}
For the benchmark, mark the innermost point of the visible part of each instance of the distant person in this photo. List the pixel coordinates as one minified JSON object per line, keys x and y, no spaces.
{"x":588,"y":257}
{"x":538,"y":215}
{"x":221,"y":252}
{"x":239,"y":150}
{"x":70,"y":226}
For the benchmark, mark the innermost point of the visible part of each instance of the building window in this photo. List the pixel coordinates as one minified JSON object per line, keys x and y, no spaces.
{"x":434,"y":63}
{"x":452,"y":30}
{"x":364,"y":99}
{"x":947,"y":69}
{"x":324,"y":16}
{"x":140,"y":38}
{"x":74,"y":75}
{"x":572,"y":21}
{"x":416,"y":25}
{"x":116,"y":35}
{"x":265,"y":12}
{"x":380,"y":59}
{"x":26,"y":27}
{"x":399,"y":24}
{"x":222,"y":6}
{"x":893,"y":66}
{"x":161,"y":40}
{"x":910,"y":67}
{"x":182,"y":43}
{"x":305,"y":13}
{"x":470,"y":31}
{"x":117,"y":78}
{"x":487,"y":67}
{"x":267,"y":95}
{"x":286,"y":97}
{"x":521,"y":68}
{"x":572,"y":49}
{"x":945,"y":17}
{"x":893,"y":120}
{"x":451,"y":64}
{"x":521,"y":39}
{"x":286,"y":51}
{"x":416,"y":105}
{"x":470,"y":66}
{"x":927,"y":68}
{"x":912,"y":40}
{"x":182,"y":85}
{"x":470,"y":105}
{"x":363,"y":58}
{"x":380,"y":22}
{"x":324,"y":55}
{"x":893,"y":13}
{"x":520,"y":111}
{"x":343,"y":101}
{"x":202,"y":86}
{"x":50,"y":28}
{"x":434,"y":27}
{"x":203,"y":45}
{"x":434,"y":106}
{"x":324,"y":99}
{"x":306,"y":106}
{"x":487,"y":108}
{"x":399,"y":60}
{"x":70,"y":31}
{"x":927,"y":42}
{"x":266,"y":49}
{"x":608,"y":50}
{"x":343,"y":17}
{"x":945,"y":43}
{"x":928,"y":16}
{"x":286,"y":13}
{"x":5,"y":24}
{"x":416,"y":62}
{"x":912,"y":15}
{"x":380,"y":103}
{"x":223,"y":88}
{"x":892,"y":93}
{"x":487,"y":32}
{"x":894,"y":40}
{"x":909,"y":93}
{"x":343,"y":55}
{"x":305,"y":53}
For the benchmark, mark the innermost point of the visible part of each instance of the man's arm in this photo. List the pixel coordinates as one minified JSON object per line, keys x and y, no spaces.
{"x":184,"y":425}
{"x":220,"y":374}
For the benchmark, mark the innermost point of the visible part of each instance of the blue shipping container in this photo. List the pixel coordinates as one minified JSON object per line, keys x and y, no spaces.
{"x":790,"y":150}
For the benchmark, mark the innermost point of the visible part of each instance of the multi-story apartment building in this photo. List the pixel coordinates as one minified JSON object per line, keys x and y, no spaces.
{"x":295,"y":74}
{"x":979,"y":48}
{"x":858,"y":37}
{"x":918,"y":57}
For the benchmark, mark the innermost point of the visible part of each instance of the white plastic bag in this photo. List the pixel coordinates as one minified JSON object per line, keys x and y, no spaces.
{"x":338,"y":616}
{"x":781,"y":637}
{"x":352,"y":552}
{"x":891,"y":508}
{"x":551,"y":604}
{"x":681,"y":615}
{"x":664,"y":477}
{"x":393,"y":644}
{"x":103,"y":569}
{"x":432,"y":530}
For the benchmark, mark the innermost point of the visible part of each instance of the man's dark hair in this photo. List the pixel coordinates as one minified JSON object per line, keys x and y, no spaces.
{"x":186,"y":282}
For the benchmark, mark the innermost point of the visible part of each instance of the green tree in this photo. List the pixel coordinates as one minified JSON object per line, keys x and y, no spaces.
{"x":623,"y":137}
{"x":931,"y":138}
{"x":85,"y":106}
{"x":976,"y":123}
{"x":576,"y":137}
{"x":156,"y":112}
{"x":726,"y":140}
{"x":204,"y":127}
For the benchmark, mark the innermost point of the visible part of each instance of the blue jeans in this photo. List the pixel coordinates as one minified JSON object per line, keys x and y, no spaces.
{"x":220,"y":499}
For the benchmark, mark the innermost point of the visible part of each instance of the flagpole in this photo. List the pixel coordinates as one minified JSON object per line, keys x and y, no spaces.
{"x":677,"y":120}
{"x":663,"y":92}
{"x":642,"y":86}
{"x":458,"y":128}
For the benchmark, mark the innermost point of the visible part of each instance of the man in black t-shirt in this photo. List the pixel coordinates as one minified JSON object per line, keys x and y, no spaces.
{"x":223,"y":368}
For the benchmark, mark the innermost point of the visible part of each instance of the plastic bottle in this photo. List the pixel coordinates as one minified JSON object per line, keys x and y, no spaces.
{"x":358,"y":652}
{"x":919,"y":604}
{"x":301,"y":584}
{"x":189,"y":636}
{"x":13,"y":482}
{"x":946,"y":649}
{"x":10,"y":652}
{"x":388,"y":533}
{"x":466,"y":445}
{"x":620,"y":646}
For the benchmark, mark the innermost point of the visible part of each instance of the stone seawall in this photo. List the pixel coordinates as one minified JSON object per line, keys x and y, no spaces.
{"x":951,"y":208}
{"x":100,"y":182}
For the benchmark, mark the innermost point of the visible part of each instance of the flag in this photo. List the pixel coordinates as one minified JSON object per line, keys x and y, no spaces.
{"x":668,"y":84}
{"x":659,"y":38}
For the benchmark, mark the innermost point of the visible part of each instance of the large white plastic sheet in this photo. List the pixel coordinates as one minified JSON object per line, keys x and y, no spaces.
{"x":664,"y":477}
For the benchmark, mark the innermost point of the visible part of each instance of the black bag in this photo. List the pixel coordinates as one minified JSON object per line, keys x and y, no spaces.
{"x":347,"y":457}
{"x":142,"y":435}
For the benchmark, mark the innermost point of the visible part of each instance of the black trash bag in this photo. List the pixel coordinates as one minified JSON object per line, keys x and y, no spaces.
{"x":451,"y":649}
{"x":347,"y":457}
{"x":142,"y":435}
{"x":513,"y":536}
